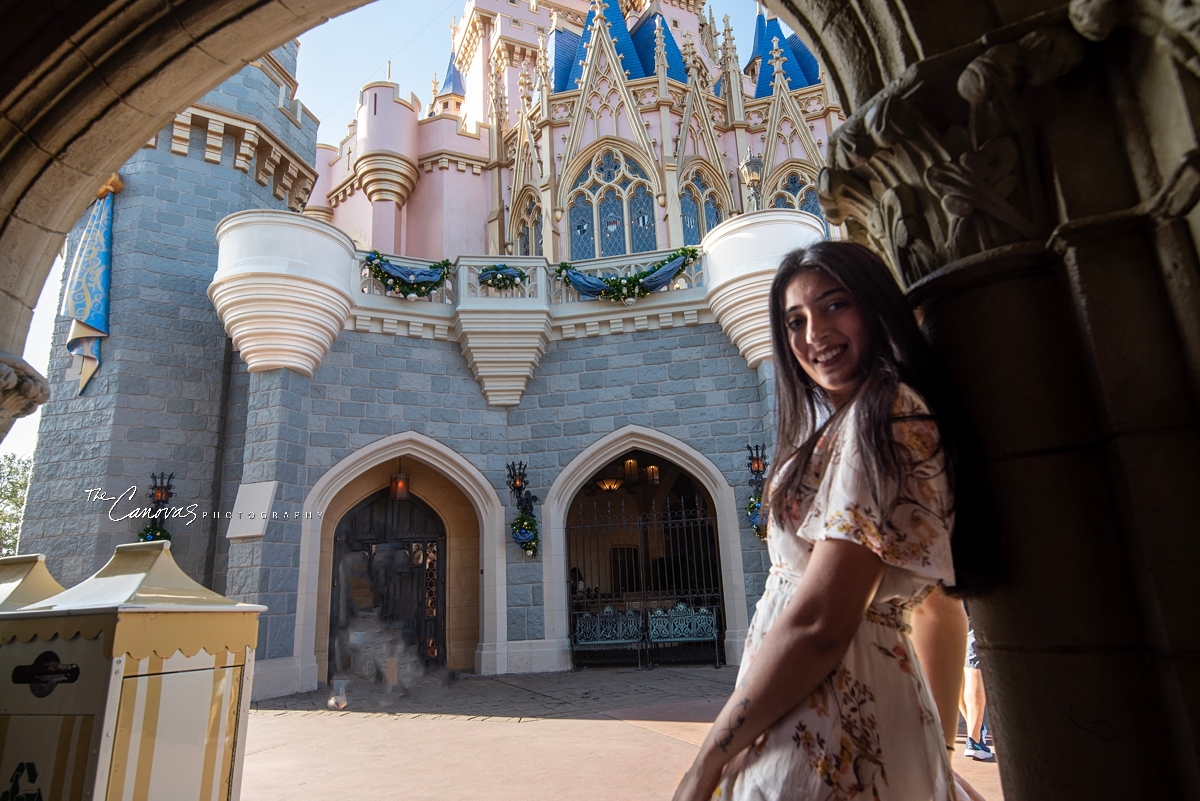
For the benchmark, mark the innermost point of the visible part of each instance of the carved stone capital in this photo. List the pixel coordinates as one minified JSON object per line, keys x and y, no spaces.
{"x":1174,"y":23}
{"x":940,"y":165}
{"x":22,"y":390}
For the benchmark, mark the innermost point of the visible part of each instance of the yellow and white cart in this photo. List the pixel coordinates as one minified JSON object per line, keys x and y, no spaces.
{"x":132,"y":685}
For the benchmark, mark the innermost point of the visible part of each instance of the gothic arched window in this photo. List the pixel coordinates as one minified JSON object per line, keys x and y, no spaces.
{"x":612,"y":196}
{"x":698,"y":197}
{"x":787,"y":196}
{"x":529,"y":229}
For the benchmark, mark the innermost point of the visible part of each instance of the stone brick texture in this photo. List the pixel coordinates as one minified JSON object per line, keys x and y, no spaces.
{"x":171,"y":396}
{"x":156,"y":403}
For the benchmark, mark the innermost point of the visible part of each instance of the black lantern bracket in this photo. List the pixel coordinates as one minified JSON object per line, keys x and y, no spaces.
{"x":518,"y":486}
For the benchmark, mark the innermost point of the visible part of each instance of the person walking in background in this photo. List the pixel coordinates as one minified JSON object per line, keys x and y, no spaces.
{"x":974,"y":704}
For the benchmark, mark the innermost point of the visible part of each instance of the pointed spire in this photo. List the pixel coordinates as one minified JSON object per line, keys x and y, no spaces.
{"x":729,"y":56}
{"x":542,"y":67}
{"x":525,"y":85}
{"x":660,"y":48}
{"x":694,"y":64}
{"x":433,"y":93}
{"x":779,"y":79}
{"x":497,"y":97}
{"x":599,"y":6}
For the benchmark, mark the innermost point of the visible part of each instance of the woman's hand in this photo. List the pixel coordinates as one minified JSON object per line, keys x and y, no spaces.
{"x":697,"y":784}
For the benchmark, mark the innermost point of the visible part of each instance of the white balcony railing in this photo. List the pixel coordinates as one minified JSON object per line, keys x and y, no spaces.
{"x":540,"y":283}
{"x":692,"y":276}
{"x":369,"y":285}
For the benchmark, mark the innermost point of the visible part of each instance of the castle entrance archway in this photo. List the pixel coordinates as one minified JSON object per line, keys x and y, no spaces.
{"x":644,"y":566}
{"x":387,"y":621}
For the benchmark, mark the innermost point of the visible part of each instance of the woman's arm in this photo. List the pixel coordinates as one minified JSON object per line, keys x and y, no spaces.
{"x":806,"y":642}
{"x":939,"y":637}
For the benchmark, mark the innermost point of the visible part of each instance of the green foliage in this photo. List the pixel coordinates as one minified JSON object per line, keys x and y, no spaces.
{"x":154,"y":532}
{"x":525,"y":533}
{"x":754,"y":512}
{"x":375,"y":261}
{"x":631,"y":286}
{"x":491,"y":276}
{"x":14,"y":483}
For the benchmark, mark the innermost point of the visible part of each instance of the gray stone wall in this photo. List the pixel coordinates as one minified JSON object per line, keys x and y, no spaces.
{"x":689,"y":383}
{"x":157,"y":402}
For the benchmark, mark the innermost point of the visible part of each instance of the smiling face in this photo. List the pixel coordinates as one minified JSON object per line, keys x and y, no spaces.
{"x":827,"y":332}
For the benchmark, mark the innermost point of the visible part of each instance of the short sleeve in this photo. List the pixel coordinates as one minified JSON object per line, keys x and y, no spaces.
{"x":907,"y":521}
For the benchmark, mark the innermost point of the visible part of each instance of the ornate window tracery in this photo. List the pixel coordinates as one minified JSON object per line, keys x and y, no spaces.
{"x":700,"y":209}
{"x":610,"y":211}
{"x":529,"y":229}
{"x":794,"y":192}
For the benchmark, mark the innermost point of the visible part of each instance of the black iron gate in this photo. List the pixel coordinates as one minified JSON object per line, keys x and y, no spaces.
{"x":645,"y":586}
{"x":388,"y":600}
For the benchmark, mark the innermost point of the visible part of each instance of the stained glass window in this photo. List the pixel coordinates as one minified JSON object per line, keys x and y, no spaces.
{"x":528,"y":226}
{"x":582,"y":233}
{"x":641,"y":220}
{"x":787,"y":196}
{"x":690,"y":215}
{"x":698,"y":195}
{"x":611,"y":195}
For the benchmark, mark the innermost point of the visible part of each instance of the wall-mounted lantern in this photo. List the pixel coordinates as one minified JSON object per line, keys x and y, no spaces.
{"x":757,"y":463}
{"x":652,"y":475}
{"x":752,"y":174}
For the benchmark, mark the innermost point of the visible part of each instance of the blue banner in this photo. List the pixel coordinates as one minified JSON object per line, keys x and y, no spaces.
{"x":85,"y":301}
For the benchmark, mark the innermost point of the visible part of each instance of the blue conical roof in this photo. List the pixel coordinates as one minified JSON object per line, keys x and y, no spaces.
{"x":643,"y":42}
{"x":560,"y":52}
{"x":454,"y":84}
{"x":793,"y":65}
{"x":630,"y":61}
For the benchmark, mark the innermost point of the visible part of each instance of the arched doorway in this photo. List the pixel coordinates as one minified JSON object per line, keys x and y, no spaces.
{"x":644,"y":566}
{"x":387,"y":619}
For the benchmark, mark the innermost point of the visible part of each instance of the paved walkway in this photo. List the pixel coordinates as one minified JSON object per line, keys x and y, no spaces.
{"x":604,"y":733}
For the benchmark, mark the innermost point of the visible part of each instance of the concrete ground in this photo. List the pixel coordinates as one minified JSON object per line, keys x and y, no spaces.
{"x":600,"y":733}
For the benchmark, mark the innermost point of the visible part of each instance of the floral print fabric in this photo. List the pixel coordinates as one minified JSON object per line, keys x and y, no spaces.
{"x":870,"y":730}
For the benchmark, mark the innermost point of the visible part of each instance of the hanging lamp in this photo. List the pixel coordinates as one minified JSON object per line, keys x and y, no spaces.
{"x":399,"y":482}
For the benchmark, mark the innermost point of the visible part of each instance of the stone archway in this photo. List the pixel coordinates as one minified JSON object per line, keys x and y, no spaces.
{"x":581,"y":469}
{"x":455,"y":489}
{"x":1078,"y":347}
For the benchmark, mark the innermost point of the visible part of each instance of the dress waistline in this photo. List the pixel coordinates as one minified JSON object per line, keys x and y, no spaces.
{"x":892,"y":617}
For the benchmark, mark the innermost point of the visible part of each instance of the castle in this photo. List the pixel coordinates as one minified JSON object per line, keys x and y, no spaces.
{"x":339,"y":394}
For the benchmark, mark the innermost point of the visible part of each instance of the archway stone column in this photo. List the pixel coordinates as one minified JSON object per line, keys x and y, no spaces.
{"x":1005,"y":182}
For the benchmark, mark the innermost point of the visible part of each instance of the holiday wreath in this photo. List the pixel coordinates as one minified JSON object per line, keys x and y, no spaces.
{"x":501,"y":277}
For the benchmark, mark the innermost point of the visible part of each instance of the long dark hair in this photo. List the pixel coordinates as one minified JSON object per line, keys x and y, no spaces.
{"x":898,"y":353}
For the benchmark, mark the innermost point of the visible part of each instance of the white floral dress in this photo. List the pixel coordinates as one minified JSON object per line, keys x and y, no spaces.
{"x":870,"y":730}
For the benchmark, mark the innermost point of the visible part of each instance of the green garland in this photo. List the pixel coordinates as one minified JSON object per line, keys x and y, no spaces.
{"x":498,"y":281}
{"x":421,"y":289}
{"x":631,"y":287}
{"x":153,"y":533}
{"x":525,"y":534}
{"x":754,"y":512}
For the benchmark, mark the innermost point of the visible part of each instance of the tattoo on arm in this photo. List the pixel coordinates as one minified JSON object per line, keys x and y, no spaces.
{"x":737,"y":717}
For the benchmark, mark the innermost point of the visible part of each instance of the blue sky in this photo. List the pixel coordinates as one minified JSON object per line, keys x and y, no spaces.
{"x":353,"y":49}
{"x":335,"y":60}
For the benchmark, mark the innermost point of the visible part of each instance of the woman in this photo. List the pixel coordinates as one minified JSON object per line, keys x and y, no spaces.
{"x":830,"y":701}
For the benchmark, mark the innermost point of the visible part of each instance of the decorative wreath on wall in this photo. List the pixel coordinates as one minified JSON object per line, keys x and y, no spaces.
{"x":153,"y":533}
{"x":502,"y":277}
{"x":754,"y":512}
{"x":628,"y":289}
{"x":525,"y":533}
{"x":407,"y":282}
